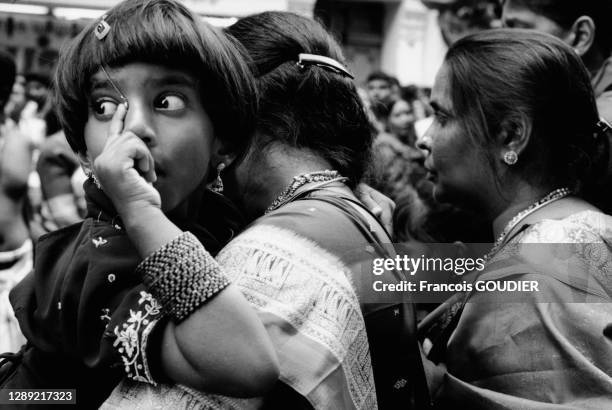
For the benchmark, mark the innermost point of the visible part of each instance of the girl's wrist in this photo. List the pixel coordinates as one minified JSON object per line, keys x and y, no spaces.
{"x":139,"y":212}
{"x":148,"y":227}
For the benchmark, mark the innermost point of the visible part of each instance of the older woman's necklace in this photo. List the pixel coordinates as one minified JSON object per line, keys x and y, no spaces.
{"x":301,"y":180}
{"x":551,"y":197}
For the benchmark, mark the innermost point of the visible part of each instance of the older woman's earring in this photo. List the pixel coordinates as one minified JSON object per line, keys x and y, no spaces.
{"x":510,"y":157}
{"x":217,"y":186}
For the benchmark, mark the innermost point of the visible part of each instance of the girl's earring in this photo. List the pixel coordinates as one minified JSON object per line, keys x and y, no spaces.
{"x":217,"y":186}
{"x":92,"y":177}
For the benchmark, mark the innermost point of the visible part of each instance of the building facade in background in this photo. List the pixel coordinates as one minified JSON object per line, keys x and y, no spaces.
{"x":399,"y":36}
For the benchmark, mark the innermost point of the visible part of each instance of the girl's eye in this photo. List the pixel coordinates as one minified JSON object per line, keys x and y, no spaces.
{"x":170,"y":103}
{"x":104,"y":108}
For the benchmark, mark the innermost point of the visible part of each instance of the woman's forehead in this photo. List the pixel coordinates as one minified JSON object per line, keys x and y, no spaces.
{"x":441,"y":91}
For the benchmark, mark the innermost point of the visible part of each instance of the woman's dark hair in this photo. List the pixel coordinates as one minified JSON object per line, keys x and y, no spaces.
{"x":565,"y":13}
{"x":498,"y":77}
{"x":160,"y":32}
{"x":308,"y":107}
{"x":7,"y":77}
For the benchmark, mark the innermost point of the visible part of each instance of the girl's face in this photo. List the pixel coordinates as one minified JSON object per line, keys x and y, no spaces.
{"x":165,"y":111}
{"x":455,"y":164}
{"x":401,"y":119}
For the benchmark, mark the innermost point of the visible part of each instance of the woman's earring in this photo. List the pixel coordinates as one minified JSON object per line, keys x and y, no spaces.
{"x":510,"y":157}
{"x":217,"y":186}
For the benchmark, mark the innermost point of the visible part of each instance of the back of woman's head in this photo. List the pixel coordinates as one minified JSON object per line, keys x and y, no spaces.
{"x":500,"y":78}
{"x":306,"y":107}
{"x":166,"y":33}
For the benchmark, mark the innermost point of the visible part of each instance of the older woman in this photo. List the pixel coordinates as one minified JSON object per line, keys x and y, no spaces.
{"x":517,"y":137}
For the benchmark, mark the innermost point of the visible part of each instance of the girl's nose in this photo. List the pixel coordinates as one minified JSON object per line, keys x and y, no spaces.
{"x":138,"y":120}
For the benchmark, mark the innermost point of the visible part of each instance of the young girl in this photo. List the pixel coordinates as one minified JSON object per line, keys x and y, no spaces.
{"x":149,"y":73}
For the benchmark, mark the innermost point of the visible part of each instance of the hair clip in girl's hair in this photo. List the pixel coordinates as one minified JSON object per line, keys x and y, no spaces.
{"x":102,"y":28}
{"x":602,"y":127}
{"x":323,"y":62}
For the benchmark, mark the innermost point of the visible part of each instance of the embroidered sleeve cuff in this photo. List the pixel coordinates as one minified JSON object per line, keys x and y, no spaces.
{"x":132,"y":336}
{"x":182,"y":275}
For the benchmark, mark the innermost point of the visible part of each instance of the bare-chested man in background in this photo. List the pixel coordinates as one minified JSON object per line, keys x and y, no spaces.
{"x":15,"y":242}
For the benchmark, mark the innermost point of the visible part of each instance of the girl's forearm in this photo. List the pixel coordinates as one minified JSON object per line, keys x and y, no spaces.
{"x":222,"y":346}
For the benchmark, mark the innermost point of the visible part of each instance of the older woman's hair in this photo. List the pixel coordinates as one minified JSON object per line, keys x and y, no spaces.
{"x":308,"y":107}
{"x":499,"y":77}
{"x":160,"y":32}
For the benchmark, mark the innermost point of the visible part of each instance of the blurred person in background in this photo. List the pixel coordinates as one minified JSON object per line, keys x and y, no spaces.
{"x":382,"y":90}
{"x":458,"y":18}
{"x":15,"y":243}
{"x":586,"y":26}
{"x":397,"y":165}
{"x":16,"y":101}
{"x":61,"y":184}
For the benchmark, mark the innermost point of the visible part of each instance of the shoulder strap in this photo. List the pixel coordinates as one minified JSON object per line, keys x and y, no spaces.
{"x":399,"y":373}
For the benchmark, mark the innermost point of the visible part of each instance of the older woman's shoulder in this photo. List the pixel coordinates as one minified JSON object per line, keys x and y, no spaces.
{"x":581,"y":227}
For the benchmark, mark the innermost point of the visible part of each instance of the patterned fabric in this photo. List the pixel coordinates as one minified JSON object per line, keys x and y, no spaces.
{"x":14,"y":266}
{"x":292,"y":279}
{"x":291,"y":265}
{"x":132,"y":336}
{"x":548,"y":350}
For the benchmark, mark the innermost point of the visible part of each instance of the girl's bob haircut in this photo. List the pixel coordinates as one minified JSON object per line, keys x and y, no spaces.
{"x":160,"y":32}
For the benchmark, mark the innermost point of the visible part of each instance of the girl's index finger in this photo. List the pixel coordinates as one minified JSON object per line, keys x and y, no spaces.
{"x":116,"y":124}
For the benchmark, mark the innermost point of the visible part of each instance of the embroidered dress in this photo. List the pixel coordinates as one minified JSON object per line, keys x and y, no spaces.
{"x":298,"y":269}
{"x":14,"y":266}
{"x":548,"y":349}
{"x":84,"y":311}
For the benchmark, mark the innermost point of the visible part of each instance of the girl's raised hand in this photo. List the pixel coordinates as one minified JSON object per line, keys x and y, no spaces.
{"x":126,"y":169}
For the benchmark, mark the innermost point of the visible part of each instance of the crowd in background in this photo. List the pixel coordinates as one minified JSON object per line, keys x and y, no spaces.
{"x":41,"y":178}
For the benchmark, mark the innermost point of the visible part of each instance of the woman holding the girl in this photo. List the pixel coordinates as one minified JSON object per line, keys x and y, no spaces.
{"x":299,"y":265}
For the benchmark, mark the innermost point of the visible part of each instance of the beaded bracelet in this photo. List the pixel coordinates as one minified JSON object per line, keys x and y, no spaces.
{"x":182,"y":275}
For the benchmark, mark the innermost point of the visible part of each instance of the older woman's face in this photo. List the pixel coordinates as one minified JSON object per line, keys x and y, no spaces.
{"x":454,"y":162}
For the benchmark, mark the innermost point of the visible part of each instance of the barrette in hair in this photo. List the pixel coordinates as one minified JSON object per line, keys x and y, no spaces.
{"x":602,"y":126}
{"x":124,"y":99}
{"x":102,"y":28}
{"x":323,"y":62}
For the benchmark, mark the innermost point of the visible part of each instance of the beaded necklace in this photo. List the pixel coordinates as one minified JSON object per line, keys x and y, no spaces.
{"x":301,"y":180}
{"x":551,"y":197}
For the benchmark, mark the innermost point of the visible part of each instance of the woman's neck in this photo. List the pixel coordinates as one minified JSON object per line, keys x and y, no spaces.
{"x":270,"y":173}
{"x":521,"y":199}
{"x":513,"y":202}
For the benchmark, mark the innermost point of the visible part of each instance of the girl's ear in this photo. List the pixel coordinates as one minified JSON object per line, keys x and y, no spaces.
{"x":222,"y":153}
{"x":86,"y":164}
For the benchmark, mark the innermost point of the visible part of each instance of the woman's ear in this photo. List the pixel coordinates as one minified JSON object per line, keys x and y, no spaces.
{"x":514,"y":136}
{"x":582,"y":35}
